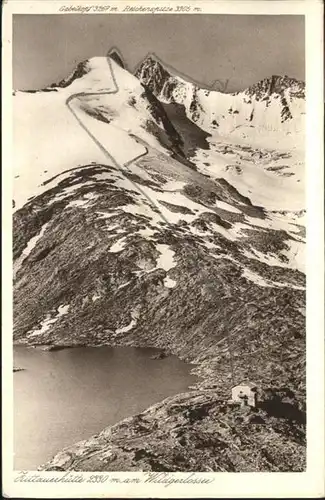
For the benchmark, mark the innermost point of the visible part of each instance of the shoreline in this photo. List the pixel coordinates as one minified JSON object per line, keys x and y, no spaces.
{"x":147,"y":441}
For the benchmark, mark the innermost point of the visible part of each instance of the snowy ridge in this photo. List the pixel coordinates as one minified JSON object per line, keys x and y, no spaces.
{"x":275,"y":104}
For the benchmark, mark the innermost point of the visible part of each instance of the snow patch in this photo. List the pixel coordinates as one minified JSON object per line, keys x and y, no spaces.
{"x":166,"y":259}
{"x":143,"y":209}
{"x":255,"y":278}
{"x":147,"y":232}
{"x":127,"y":328}
{"x":210,"y":245}
{"x":32,"y":242}
{"x":27,"y":250}
{"x":107,"y":215}
{"x":224,"y":232}
{"x":229,"y":208}
{"x":118,"y":245}
{"x":123,"y":285}
{"x":66,"y":191}
{"x":62,"y":310}
{"x":169,"y":283}
{"x":77,"y":203}
{"x":296,"y":255}
{"x":90,"y":196}
{"x":174,"y":185}
{"x":48,"y":321}
{"x":111,"y":228}
{"x":132,"y":324}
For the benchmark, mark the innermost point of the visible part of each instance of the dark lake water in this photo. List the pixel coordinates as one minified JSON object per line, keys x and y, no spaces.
{"x":62,"y":397}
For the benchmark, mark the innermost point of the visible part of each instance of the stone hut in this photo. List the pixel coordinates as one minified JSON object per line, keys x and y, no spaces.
{"x":244,"y":393}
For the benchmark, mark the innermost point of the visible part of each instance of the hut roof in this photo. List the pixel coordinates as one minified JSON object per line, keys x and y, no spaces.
{"x":251,"y":385}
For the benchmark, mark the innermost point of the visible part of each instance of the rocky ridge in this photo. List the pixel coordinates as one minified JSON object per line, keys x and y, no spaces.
{"x":274,"y":103}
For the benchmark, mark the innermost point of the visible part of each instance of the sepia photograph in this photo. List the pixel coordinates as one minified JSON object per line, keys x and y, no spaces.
{"x":159,"y":222}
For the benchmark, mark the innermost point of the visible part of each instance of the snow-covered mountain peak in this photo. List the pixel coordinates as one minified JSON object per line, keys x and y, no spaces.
{"x":152,"y":61}
{"x":275,"y":104}
{"x":100,"y":96}
{"x":277,"y":85}
{"x":91,"y":71}
{"x":152,"y":73}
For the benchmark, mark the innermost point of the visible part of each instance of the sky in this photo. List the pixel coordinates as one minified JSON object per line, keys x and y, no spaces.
{"x":240,"y":49}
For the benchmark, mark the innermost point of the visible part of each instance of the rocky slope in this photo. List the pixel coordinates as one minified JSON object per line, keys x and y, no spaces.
{"x":141,"y":245}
